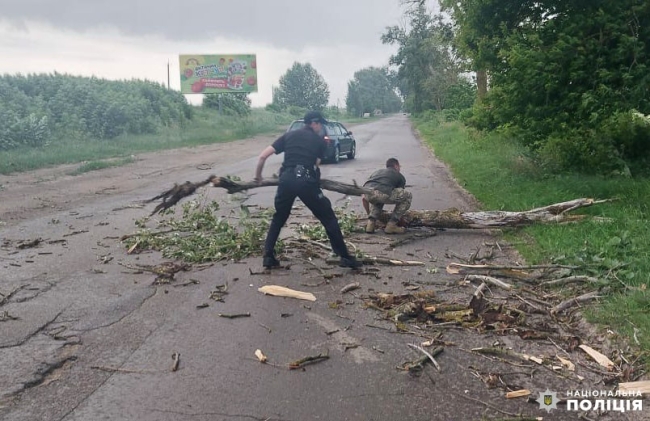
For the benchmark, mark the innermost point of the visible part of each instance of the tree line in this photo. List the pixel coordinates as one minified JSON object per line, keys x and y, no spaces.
{"x":303,"y":88}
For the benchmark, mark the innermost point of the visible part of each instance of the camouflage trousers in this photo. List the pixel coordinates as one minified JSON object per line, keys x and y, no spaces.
{"x":398,"y":197}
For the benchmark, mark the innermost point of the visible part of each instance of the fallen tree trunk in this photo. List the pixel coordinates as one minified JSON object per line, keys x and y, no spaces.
{"x":454,"y":218}
{"x":233,"y":186}
{"x":449,"y":218}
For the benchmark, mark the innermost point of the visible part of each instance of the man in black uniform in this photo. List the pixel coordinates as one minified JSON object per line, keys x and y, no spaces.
{"x":299,"y":177}
{"x":387,"y":187}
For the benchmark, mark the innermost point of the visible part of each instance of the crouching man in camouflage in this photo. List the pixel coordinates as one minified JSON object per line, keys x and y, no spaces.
{"x":387,"y":188}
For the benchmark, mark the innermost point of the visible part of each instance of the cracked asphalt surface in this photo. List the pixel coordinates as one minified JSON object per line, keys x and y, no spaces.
{"x":89,"y":339}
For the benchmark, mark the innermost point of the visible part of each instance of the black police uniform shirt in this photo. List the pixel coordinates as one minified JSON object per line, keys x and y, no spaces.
{"x":300,"y":147}
{"x":385,"y":180}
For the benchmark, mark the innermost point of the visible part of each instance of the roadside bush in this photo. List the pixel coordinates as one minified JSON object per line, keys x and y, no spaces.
{"x":31,"y":131}
{"x":619,"y":145}
{"x":231,"y":104}
{"x":297,"y":112}
{"x":461,"y":95}
{"x":480,"y":116}
{"x":630,"y":134}
{"x":451,"y":114}
{"x":274,"y":108}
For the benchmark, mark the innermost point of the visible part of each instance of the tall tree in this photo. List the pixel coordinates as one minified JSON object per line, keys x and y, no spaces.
{"x":302,"y":86}
{"x":563,"y":74}
{"x":427,"y":61}
{"x":481,"y":24}
{"x":372,"y":89}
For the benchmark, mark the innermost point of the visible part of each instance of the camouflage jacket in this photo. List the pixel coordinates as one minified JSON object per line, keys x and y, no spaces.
{"x":385,"y":180}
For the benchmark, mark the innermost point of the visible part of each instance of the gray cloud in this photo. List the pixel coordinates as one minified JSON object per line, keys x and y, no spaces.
{"x":282,"y":23}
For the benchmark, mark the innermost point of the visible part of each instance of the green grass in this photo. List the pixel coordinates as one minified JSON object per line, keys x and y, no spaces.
{"x":500,"y":175}
{"x":207,"y":127}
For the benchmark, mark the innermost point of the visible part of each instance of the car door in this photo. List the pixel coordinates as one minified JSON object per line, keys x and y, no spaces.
{"x":345,"y":139}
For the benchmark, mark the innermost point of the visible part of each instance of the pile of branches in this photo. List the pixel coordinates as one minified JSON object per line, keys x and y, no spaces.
{"x":451,"y":218}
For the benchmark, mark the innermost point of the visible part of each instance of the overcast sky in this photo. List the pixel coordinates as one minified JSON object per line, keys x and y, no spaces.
{"x":120,"y":39}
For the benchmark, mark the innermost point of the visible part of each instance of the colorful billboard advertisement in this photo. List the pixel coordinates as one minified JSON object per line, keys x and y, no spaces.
{"x":210,"y":74}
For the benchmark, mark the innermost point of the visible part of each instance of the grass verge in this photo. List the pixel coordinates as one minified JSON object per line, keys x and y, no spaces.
{"x":207,"y":127}
{"x":499,"y":174}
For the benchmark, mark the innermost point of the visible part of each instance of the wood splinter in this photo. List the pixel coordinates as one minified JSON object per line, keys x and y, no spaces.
{"x":176,"y":358}
{"x":350,"y":287}
{"x":234,"y":316}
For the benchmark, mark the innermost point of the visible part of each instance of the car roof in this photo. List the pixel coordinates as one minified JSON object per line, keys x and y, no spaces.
{"x":329,"y":121}
{"x":293,"y":124}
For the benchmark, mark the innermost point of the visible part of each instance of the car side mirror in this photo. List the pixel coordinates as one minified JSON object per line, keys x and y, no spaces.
{"x":349,"y":132}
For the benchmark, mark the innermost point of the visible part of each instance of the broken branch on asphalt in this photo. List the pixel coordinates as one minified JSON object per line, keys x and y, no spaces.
{"x":165,"y":271}
{"x":308,"y":360}
{"x":565,"y":305}
{"x":450,"y":218}
{"x":117,"y":370}
{"x":425,"y":352}
{"x":234,"y":316}
{"x":369,"y":260}
{"x":418,"y":365}
{"x":490,"y":280}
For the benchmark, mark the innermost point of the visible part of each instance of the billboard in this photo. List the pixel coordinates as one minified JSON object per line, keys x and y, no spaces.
{"x":222,"y":73}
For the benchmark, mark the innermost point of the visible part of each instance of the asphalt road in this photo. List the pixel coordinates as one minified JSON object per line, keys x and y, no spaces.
{"x":94,"y":341}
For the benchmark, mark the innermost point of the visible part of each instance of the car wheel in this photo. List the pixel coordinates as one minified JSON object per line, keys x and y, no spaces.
{"x":353,"y":151}
{"x":337,"y":155}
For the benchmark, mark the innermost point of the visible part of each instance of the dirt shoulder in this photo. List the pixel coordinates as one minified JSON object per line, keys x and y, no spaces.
{"x":30,"y":194}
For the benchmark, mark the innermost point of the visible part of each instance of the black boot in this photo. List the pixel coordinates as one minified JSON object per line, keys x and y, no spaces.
{"x":270,"y":262}
{"x":350,"y":262}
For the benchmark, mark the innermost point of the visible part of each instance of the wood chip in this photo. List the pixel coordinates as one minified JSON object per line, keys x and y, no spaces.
{"x":642,"y":386}
{"x":566,"y":363}
{"x":533,"y":359}
{"x":280,"y":291}
{"x":598,"y":357}
{"x":430,"y":309}
{"x":517,"y":393}
{"x":350,"y":287}
{"x":260,"y":356}
{"x":176,"y":358}
{"x":490,"y":280}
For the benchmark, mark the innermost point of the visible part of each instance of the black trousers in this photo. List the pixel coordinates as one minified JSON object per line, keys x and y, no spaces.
{"x":308,"y":190}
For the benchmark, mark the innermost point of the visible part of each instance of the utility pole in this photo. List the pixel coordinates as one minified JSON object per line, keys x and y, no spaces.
{"x":167,"y":74}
